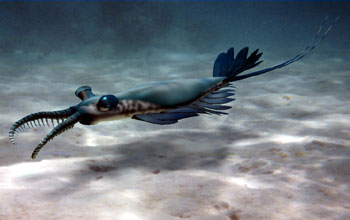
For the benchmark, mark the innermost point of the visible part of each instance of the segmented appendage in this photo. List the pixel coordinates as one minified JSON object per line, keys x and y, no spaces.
{"x":60,"y":128}
{"x":36,"y":120}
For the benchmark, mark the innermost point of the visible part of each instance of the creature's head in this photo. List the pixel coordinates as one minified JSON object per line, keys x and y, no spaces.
{"x":96,"y":108}
{"x":91,"y":110}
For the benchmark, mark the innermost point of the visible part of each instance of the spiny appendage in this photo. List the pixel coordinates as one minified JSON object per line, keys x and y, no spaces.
{"x":60,"y":128}
{"x":36,"y":120}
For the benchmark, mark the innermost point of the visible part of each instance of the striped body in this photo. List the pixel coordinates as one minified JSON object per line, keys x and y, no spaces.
{"x":125,"y":109}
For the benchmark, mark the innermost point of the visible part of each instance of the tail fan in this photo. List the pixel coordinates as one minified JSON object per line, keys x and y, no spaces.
{"x":226,"y":65}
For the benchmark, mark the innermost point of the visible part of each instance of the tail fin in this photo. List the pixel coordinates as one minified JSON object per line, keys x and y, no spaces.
{"x":226,"y":65}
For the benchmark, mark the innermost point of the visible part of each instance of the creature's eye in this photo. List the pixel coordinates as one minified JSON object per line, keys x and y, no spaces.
{"x":107,"y":102}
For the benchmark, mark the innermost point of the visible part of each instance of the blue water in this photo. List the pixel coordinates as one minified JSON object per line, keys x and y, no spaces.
{"x":282,"y":152}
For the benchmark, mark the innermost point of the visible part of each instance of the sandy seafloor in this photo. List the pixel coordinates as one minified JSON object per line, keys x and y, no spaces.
{"x":283,"y":152}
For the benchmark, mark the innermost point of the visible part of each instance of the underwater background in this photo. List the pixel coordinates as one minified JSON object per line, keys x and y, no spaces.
{"x":283,"y":152}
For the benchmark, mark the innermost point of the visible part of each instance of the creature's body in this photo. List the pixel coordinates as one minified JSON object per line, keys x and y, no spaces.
{"x":160,"y":102}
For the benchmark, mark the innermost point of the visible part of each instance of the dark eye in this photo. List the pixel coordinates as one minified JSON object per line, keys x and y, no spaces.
{"x":107,"y":102}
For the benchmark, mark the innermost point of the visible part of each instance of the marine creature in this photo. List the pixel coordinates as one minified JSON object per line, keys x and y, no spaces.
{"x":161,"y":103}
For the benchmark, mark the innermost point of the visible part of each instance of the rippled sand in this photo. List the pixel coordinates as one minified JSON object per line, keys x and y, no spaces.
{"x":283,"y":152}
